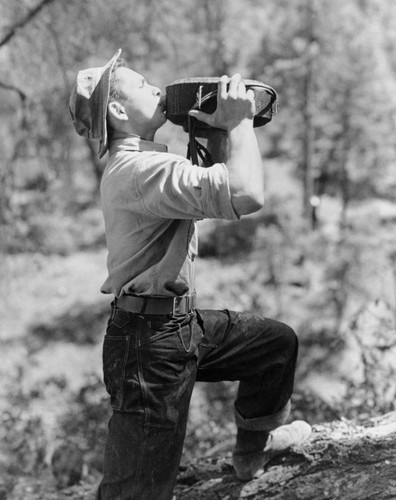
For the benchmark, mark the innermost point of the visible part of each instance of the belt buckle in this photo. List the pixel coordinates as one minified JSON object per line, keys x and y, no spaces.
{"x":177,"y":301}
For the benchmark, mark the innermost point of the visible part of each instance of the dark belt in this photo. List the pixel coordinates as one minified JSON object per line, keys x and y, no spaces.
{"x":156,"y":305}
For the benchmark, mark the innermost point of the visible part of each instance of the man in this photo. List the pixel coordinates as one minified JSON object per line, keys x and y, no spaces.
{"x":157,"y":343}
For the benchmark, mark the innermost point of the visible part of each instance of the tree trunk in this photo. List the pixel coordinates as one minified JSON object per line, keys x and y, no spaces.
{"x":308,"y":137}
{"x":215,"y":15}
{"x":344,"y":180}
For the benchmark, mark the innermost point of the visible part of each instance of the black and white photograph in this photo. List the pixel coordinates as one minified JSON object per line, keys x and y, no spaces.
{"x":197,"y":250}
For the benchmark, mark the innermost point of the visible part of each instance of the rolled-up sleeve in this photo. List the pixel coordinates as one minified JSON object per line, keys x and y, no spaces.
{"x":171,"y":187}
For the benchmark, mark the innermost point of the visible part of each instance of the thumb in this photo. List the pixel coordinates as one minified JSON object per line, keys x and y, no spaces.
{"x":201,"y":116}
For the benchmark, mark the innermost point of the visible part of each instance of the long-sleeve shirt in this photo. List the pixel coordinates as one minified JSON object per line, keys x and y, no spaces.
{"x":151,"y":200}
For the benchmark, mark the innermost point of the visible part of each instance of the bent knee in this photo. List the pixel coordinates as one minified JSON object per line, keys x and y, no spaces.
{"x":288,"y":340}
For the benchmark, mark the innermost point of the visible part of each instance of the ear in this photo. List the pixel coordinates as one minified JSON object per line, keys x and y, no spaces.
{"x":117,"y":111}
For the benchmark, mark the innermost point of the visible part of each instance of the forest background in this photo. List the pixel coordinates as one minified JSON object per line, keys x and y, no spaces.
{"x":320,"y":255}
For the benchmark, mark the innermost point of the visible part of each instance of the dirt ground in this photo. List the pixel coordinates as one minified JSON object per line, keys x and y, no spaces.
{"x":50,"y":353}
{"x":342,"y":460}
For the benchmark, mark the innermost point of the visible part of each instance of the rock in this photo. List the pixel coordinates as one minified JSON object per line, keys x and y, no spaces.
{"x":67,"y":465}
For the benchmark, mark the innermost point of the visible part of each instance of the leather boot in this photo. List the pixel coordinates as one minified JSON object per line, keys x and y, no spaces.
{"x":248,"y":456}
{"x":254,"y":449}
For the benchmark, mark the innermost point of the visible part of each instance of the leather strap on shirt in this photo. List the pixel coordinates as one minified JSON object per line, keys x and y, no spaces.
{"x":157,"y":305}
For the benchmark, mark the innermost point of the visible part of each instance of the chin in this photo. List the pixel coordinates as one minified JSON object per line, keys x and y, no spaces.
{"x":157,"y":122}
{"x":161,"y":121}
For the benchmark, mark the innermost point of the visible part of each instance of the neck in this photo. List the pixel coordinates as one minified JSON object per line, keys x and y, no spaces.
{"x":120,"y":134}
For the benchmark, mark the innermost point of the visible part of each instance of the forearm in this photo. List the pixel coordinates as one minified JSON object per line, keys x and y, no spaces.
{"x":234,"y":113}
{"x":245,"y":169}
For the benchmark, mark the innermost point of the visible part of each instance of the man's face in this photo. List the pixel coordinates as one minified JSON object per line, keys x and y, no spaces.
{"x":145,"y":106}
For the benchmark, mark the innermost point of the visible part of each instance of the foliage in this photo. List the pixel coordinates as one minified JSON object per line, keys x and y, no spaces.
{"x":222,"y":239}
{"x":334,"y":73}
{"x":55,"y":233}
{"x":22,"y":435}
{"x":333,"y":64}
{"x":65,"y":408}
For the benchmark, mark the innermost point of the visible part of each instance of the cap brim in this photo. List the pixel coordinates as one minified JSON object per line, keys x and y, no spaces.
{"x":104,"y":88}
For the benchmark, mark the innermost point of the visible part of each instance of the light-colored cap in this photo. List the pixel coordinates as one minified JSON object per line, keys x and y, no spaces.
{"x":88,"y":102}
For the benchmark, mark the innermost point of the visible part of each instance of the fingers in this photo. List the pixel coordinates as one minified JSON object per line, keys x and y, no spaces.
{"x":241,"y":89}
{"x":234,"y":103}
{"x":235,"y":82}
{"x":236,"y":89}
{"x":222,"y":87}
{"x":250,"y":96}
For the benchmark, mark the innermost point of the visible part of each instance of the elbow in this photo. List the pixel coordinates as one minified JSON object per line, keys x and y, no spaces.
{"x":248,"y":204}
{"x":255,"y":203}
{"x":259,"y":200}
{"x":255,"y":200}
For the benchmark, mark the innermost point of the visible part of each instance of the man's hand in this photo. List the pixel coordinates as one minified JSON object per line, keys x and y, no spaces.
{"x":234,"y":113}
{"x":234,"y":106}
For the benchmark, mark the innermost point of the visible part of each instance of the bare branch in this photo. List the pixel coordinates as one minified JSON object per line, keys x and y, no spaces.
{"x":30,"y":15}
{"x":20,"y":92}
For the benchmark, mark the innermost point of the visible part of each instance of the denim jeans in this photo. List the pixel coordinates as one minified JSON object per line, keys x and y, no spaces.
{"x":150,"y":366}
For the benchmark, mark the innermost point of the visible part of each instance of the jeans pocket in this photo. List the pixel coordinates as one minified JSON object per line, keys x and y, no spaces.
{"x":167,"y":384}
{"x":118,"y":319}
{"x":115,"y":353}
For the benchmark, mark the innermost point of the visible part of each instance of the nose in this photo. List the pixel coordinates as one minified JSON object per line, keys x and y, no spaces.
{"x":156,"y":91}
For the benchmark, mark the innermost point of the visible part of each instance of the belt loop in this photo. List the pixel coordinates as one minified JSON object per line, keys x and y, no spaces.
{"x":144,"y":305}
{"x":113,"y":308}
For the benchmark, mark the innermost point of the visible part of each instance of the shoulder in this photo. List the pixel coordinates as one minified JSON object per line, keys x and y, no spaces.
{"x":152,"y":162}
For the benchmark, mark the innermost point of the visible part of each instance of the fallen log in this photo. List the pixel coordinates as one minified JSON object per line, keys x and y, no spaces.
{"x":343,"y":460}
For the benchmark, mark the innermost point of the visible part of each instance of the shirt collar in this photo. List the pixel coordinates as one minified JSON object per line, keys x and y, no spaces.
{"x":136,"y":143}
